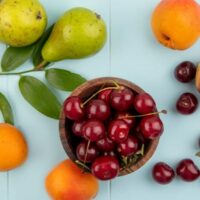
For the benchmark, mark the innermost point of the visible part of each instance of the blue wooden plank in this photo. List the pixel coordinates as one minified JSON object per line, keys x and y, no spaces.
{"x":3,"y":175}
{"x":138,"y":57}
{"x":45,"y":150}
{"x":3,"y":186}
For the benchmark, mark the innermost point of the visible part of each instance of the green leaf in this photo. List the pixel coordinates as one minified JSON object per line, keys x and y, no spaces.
{"x":63,"y":79}
{"x":14,"y":57}
{"x":6,"y":110}
{"x":37,"y":56}
{"x":198,"y":154}
{"x":39,"y":96}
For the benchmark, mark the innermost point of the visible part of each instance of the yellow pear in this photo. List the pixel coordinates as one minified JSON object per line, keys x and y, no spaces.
{"x":79,"y":33}
{"x":22,"y":22}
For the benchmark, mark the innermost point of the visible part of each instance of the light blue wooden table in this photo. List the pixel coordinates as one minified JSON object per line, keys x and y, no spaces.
{"x":132,"y":53}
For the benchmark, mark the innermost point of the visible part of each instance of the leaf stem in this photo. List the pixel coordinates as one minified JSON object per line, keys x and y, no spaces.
{"x":17,"y":73}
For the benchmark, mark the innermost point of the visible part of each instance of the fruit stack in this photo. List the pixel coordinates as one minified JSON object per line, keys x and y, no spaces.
{"x":111,"y":128}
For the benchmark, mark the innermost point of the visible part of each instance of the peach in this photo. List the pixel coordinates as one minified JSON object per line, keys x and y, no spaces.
{"x":67,"y":182}
{"x":176,"y":23}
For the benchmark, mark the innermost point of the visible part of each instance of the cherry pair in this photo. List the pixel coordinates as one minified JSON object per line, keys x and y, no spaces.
{"x":187,"y":103}
{"x":186,"y":170}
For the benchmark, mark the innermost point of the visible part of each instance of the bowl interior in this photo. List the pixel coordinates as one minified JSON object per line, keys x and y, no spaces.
{"x":70,"y":141}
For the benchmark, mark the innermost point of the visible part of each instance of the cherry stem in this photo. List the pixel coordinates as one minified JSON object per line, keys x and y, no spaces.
{"x":82,"y":165}
{"x":149,"y":114}
{"x":116,"y":87}
{"x":87,"y":148}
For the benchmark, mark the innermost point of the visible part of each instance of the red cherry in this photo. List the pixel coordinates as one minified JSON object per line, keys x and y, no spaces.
{"x":73,"y":108}
{"x":187,"y":103}
{"x":92,"y":152}
{"x":98,"y":109}
{"x":128,"y":147}
{"x":105,"y":95}
{"x":118,"y":130}
{"x":93,"y":130}
{"x":121,"y":100}
{"x":144,"y":103}
{"x":105,"y":144}
{"x":77,"y":128}
{"x":105,"y":167}
{"x":109,"y":153}
{"x":185,"y":72}
{"x":187,"y":170}
{"x":124,"y":115}
{"x":163,"y":173}
{"x":151,"y":127}
{"x":138,"y":133}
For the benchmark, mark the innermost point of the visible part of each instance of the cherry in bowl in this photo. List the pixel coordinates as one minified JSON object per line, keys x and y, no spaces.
{"x":114,"y":132}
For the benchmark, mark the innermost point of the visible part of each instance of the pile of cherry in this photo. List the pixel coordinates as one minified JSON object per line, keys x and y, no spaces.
{"x":111,"y":124}
{"x":187,"y":104}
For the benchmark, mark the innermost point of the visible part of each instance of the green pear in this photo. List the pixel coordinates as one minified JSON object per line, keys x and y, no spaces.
{"x":79,"y":33}
{"x":22,"y":22}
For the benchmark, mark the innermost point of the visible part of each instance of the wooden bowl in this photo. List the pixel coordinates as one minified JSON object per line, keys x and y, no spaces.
{"x":69,"y":141}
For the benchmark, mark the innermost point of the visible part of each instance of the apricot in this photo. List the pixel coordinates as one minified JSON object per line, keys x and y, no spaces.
{"x":176,"y":23}
{"x":13,"y":147}
{"x":67,"y":182}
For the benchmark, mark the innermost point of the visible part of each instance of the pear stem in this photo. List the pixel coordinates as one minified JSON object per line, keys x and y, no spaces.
{"x":41,"y":65}
{"x":149,"y":114}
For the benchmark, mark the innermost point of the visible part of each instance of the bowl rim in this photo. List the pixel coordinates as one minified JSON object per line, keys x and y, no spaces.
{"x":98,"y":82}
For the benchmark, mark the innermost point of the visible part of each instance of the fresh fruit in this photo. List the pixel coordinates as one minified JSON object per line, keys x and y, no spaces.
{"x":151,"y":127}
{"x":109,"y":153}
{"x":79,"y":33}
{"x":77,"y":128}
{"x":185,"y":72}
{"x":163,"y":173}
{"x":105,"y":144}
{"x":98,"y":109}
{"x":176,"y":23}
{"x":144,"y":103}
{"x":105,"y":95}
{"x":128,"y":147}
{"x":118,"y":130}
{"x":187,"y":103}
{"x":197,"y":78}
{"x":105,"y":131}
{"x":187,"y":170}
{"x":125,"y":116}
{"x":21,"y":22}
{"x":67,"y":181}
{"x":121,"y":99}
{"x":137,"y":132}
{"x":86,"y":155}
{"x":93,"y":130}
{"x":13,"y":147}
{"x":105,"y":167}
{"x":73,"y":108}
